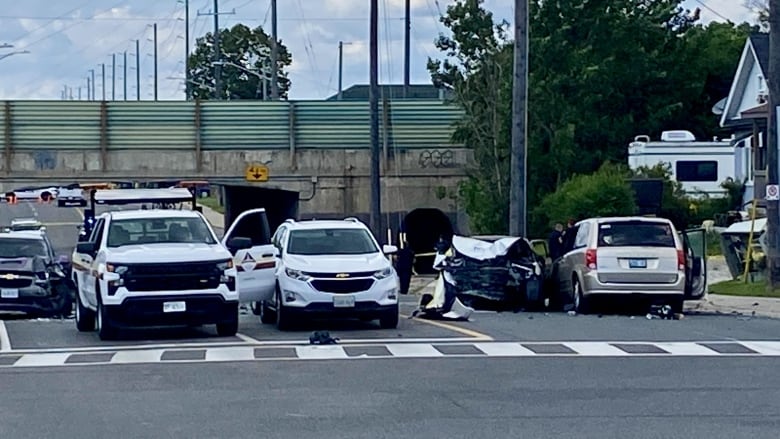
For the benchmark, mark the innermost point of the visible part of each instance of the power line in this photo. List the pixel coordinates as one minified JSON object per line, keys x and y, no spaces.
{"x":53,"y":19}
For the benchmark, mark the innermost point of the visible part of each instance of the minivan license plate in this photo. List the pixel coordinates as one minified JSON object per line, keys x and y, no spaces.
{"x":637,"y":263}
{"x":174,"y":306}
{"x":343,"y":301}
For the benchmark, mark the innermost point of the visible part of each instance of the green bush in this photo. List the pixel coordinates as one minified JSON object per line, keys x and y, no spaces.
{"x":603,"y":193}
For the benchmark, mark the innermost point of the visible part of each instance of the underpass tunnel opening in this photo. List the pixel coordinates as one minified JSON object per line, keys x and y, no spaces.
{"x":279,"y":204}
{"x":423,"y":229}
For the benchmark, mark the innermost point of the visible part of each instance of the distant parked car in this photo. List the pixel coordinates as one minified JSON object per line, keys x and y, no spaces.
{"x":628,"y":256}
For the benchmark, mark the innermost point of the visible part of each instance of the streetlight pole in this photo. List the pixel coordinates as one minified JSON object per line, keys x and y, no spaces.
{"x":155,"y":61}
{"x":274,"y":54}
{"x":373,"y":100}
{"x":103,"y":80}
{"x":137,"y":70}
{"x":113,"y":76}
{"x":341,"y":65}
{"x":186,"y":49}
{"x":92,"y":72}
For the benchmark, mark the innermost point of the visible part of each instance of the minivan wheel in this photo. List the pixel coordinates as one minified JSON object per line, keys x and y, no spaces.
{"x":581,"y":303}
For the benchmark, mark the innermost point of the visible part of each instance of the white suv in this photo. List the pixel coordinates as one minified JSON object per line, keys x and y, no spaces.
{"x":332,"y":269}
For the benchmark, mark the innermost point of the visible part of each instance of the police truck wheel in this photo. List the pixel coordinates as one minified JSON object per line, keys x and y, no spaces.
{"x":85,"y":318}
{"x":229,"y":328}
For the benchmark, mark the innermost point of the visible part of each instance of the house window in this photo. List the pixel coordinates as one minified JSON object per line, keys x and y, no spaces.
{"x":697,"y":170}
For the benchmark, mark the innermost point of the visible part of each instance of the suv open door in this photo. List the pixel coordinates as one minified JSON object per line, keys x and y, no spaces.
{"x":256,"y":265}
{"x":695,"y":249}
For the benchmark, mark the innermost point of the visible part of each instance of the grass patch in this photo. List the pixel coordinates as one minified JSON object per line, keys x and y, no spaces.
{"x":713,"y":244}
{"x":739,"y":288}
{"x":212,"y":203}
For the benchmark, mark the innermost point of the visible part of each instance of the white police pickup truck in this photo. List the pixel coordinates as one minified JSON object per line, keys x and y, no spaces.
{"x":158,"y":267}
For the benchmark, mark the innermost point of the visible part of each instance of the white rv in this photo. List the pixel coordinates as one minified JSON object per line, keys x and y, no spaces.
{"x":701,"y":166}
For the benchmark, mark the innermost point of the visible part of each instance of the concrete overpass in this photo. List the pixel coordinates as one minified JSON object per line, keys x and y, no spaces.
{"x":316,"y":152}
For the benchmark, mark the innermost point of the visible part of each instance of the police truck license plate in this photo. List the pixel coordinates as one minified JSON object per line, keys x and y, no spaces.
{"x":9,"y":293}
{"x":174,"y":306}
{"x":343,"y":301}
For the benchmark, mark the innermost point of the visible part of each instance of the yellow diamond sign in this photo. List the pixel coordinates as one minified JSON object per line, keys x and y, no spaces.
{"x":256,"y":172}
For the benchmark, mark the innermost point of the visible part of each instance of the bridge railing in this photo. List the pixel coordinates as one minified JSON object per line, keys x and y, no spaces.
{"x":209,"y":125}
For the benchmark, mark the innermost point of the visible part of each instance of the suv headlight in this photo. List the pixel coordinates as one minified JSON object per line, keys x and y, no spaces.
{"x":297,"y":275}
{"x":385,"y":273}
{"x":225,"y":265}
{"x":118,"y":269}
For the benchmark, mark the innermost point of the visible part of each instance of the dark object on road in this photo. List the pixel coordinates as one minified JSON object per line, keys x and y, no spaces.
{"x":403,"y":266}
{"x":322,"y":337}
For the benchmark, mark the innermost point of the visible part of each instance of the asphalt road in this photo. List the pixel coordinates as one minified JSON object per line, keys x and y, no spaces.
{"x":554,"y":375}
{"x":457,"y":398}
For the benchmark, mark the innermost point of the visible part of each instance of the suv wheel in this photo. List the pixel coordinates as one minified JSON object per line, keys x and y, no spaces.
{"x":389,"y":320}
{"x":284,"y":321}
{"x":581,"y":303}
{"x":228,"y":328}
{"x":106,"y":330}
{"x":85,"y":317}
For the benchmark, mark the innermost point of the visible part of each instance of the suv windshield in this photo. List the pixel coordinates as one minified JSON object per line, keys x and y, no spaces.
{"x":22,"y":248}
{"x":158,"y":230}
{"x":331,"y":242}
{"x":635,"y":234}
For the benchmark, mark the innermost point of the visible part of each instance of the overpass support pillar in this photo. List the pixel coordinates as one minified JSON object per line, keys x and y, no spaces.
{"x":7,"y":138}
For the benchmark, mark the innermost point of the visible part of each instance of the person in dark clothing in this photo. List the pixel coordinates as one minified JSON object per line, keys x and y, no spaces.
{"x":555,"y":242}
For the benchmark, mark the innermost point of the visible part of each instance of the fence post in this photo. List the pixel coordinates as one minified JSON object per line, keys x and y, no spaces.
{"x":103,"y":136}
{"x":7,"y":131}
{"x":198,"y":139}
{"x":291,"y":128}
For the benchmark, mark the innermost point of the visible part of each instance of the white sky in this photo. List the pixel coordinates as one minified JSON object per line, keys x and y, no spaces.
{"x":67,"y":38}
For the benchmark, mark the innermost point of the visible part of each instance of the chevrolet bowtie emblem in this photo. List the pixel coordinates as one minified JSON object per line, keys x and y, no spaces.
{"x":342,"y":275}
{"x":10,"y":276}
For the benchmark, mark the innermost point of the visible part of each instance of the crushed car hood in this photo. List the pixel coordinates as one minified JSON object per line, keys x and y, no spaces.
{"x":162,"y":253}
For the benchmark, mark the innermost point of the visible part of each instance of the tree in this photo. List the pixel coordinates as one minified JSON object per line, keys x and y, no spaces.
{"x":761,"y":9}
{"x":240,"y":46}
{"x":599,"y":75}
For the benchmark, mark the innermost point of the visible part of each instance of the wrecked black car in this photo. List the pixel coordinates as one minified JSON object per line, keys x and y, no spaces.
{"x":496,"y":273}
{"x":32,"y":280}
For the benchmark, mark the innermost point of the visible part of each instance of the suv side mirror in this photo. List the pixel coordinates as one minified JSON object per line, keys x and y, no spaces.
{"x":238,"y":243}
{"x":86,"y":247}
{"x":389,"y":249}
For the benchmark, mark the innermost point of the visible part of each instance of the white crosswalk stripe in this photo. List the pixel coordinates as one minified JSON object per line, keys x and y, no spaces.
{"x":206,"y":354}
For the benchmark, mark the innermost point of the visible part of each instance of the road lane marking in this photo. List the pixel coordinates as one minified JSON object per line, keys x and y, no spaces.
{"x":5,"y":342}
{"x":147,"y":356}
{"x":81,"y":214}
{"x":468,"y":332}
{"x":520,"y":349}
{"x":240,"y":353}
{"x":247,"y":338}
{"x":327,"y":352}
{"x":42,"y":360}
{"x":596,"y":349}
{"x":414,"y":350}
{"x":504,"y":349}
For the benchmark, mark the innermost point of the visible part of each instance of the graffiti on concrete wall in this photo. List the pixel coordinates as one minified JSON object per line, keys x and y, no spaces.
{"x":437,"y":158}
{"x":45,"y":160}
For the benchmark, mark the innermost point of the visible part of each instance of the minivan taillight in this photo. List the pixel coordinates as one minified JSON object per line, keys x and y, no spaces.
{"x":680,"y":260}
{"x":590,"y":258}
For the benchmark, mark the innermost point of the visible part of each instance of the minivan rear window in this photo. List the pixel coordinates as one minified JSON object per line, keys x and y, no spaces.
{"x":635,"y":234}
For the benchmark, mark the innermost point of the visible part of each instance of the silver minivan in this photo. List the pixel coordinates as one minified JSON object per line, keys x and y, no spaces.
{"x":641,"y":256}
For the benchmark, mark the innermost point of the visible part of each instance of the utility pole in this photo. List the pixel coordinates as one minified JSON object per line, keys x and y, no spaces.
{"x":772,"y":208}
{"x":89,"y":88}
{"x":341,"y":65}
{"x":137,"y":71}
{"x":186,"y":49}
{"x":80,"y":92}
{"x":274,"y":54}
{"x":92,"y":72}
{"x":103,"y":79}
{"x":124,"y":75}
{"x":518,"y":163}
{"x":113,"y":76}
{"x":407,"y":45}
{"x":373,"y":99}
{"x":155,"y":61}
{"x":217,"y":55}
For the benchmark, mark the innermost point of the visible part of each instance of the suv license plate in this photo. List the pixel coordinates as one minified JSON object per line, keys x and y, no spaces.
{"x":9,"y":293}
{"x":637,"y":263}
{"x":174,"y":306}
{"x":343,"y":301}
